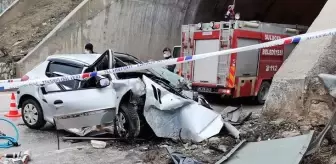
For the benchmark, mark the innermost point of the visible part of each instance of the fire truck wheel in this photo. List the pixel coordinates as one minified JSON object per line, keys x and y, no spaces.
{"x":263,"y":92}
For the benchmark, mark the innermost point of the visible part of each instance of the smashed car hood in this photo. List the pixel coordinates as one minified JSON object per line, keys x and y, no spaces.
{"x":172,"y":116}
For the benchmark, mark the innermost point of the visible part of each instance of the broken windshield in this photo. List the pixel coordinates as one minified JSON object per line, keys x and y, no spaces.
{"x":157,"y":71}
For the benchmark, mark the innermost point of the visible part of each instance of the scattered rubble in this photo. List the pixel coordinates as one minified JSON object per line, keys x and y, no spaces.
{"x":215,"y":148}
{"x":223,"y":148}
{"x":98,"y":144}
{"x":214,"y":140}
{"x":220,"y":146}
{"x":179,"y":158}
{"x":293,"y":133}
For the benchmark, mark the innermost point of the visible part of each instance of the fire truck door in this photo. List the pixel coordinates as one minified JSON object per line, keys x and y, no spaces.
{"x":247,"y":62}
{"x":205,"y":70}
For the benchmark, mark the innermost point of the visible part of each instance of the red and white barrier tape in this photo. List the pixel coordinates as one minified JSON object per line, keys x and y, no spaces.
{"x":10,"y":81}
{"x":288,"y":40}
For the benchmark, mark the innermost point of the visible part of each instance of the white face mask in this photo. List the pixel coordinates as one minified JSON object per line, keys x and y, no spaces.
{"x":87,"y":51}
{"x":166,"y":54}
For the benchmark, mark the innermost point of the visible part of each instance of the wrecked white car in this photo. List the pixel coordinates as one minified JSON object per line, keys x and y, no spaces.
{"x":128,"y":100}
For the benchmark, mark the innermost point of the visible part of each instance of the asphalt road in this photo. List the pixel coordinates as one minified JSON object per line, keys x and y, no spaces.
{"x":43,"y":143}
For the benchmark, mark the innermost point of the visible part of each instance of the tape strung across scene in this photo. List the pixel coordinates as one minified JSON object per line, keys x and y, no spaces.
{"x":10,"y":80}
{"x":284,"y":41}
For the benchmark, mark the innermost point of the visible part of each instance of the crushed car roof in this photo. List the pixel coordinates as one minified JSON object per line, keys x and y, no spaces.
{"x":126,"y":56}
{"x":86,"y":59}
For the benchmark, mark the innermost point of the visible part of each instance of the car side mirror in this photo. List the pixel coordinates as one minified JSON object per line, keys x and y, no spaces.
{"x":103,"y":82}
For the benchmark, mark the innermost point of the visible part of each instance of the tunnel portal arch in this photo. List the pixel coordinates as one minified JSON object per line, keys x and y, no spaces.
{"x":301,"y":12}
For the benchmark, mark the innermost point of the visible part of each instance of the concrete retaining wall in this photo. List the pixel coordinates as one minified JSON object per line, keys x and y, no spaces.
{"x":139,"y":27}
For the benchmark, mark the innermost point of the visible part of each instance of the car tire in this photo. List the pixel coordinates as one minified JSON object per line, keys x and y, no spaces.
{"x":127,"y":122}
{"x":146,"y":131}
{"x":32,"y":114}
{"x":262,"y":93}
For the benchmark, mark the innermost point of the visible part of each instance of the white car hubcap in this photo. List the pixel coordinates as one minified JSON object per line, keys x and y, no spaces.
{"x":30,"y":114}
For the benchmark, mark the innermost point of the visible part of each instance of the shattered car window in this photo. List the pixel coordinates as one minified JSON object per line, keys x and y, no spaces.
{"x":160,"y":72}
{"x":103,"y":64}
{"x":173,"y":78}
{"x":129,"y":62}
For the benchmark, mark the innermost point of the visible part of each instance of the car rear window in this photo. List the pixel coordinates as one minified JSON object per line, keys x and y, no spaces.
{"x":122,"y":61}
{"x":66,"y":69}
{"x":62,"y":68}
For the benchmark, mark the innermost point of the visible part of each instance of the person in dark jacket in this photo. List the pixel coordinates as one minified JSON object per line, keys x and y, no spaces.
{"x":167,"y":55}
{"x":230,"y":14}
{"x":89,"y":49}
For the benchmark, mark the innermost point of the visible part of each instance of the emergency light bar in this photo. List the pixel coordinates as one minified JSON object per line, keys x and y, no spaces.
{"x":291,"y":30}
{"x":250,"y":24}
{"x":208,"y":26}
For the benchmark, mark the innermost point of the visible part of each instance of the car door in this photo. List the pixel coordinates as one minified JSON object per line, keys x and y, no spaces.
{"x":82,"y":107}
{"x":72,"y":99}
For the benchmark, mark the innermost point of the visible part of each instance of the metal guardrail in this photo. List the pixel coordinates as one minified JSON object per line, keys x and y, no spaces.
{"x":4,"y":4}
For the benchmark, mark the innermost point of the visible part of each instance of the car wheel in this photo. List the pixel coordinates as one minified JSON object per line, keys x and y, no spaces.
{"x":32,"y":114}
{"x":127,"y":122}
{"x":263,"y":92}
{"x":146,"y":131}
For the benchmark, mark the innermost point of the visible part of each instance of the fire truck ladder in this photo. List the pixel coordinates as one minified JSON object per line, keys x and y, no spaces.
{"x":224,"y":38}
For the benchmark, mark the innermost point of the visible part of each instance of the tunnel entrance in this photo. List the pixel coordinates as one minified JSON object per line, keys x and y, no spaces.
{"x":301,"y":12}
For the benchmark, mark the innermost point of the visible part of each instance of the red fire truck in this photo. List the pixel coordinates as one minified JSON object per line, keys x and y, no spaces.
{"x":244,"y":74}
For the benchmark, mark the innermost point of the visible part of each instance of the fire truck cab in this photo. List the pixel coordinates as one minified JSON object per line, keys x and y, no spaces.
{"x":244,"y":74}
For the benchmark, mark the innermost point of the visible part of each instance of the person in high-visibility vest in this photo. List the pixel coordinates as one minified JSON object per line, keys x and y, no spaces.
{"x":167,"y":55}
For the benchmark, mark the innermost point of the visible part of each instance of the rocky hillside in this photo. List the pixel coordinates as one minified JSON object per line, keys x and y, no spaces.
{"x":26,"y":24}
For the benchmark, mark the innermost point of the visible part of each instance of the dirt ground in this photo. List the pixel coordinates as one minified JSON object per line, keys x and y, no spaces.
{"x":21,"y":34}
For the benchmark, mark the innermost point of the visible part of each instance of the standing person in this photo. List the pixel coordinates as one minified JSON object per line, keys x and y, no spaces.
{"x":167,"y":55}
{"x":230,"y":14}
{"x":89,"y":49}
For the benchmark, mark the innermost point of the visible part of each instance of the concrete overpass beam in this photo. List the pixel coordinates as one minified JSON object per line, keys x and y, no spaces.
{"x":296,"y":92}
